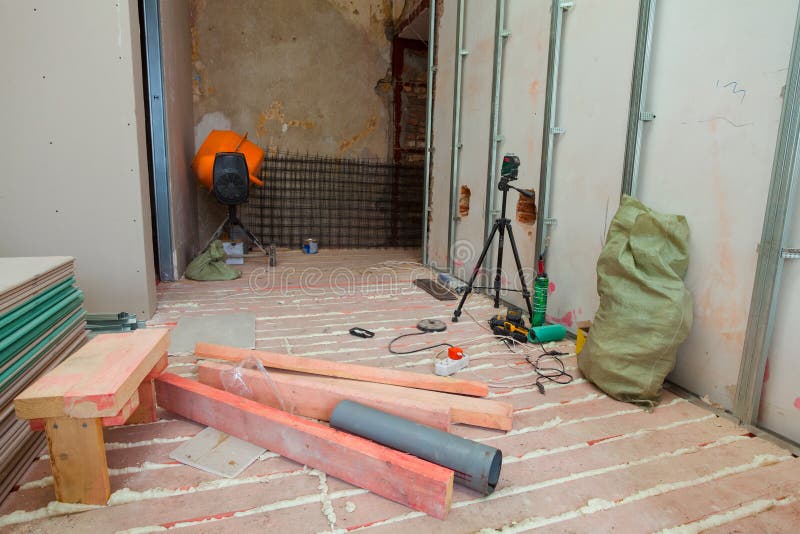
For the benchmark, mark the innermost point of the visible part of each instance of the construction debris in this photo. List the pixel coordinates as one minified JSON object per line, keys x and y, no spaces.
{"x":41,"y":323}
{"x":217,"y":453}
{"x":345,"y":370}
{"x":416,"y":483}
{"x":316,"y":396}
{"x":108,"y":382}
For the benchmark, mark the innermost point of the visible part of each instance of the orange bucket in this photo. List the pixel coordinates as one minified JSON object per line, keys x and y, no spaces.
{"x":226,"y":141}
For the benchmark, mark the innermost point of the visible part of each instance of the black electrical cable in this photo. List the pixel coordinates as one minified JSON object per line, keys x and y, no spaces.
{"x":398,"y":338}
{"x":558,"y":374}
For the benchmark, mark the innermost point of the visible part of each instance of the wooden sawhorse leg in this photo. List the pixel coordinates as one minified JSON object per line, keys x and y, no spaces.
{"x":78,"y":460}
{"x":146,"y":412}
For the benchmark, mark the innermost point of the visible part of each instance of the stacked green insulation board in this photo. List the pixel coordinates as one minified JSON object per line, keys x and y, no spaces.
{"x":41,"y":323}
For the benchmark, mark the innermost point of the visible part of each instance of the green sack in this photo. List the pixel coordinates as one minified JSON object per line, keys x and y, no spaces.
{"x":645,"y":309}
{"x":210,"y":265}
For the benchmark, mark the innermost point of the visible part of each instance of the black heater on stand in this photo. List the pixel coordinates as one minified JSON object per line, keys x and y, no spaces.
{"x":231,"y":187}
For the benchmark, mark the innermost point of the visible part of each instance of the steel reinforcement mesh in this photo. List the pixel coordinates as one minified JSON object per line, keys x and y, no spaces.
{"x":342,"y":203}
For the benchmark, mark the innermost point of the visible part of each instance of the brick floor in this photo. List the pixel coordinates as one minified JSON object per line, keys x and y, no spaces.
{"x":576,"y":460}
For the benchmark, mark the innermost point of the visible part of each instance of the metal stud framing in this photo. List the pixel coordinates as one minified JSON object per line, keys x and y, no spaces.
{"x":461,"y":53}
{"x":782,"y":189}
{"x":500,"y":34}
{"x":158,"y":139}
{"x":637,"y":113}
{"x":428,"y":127}
{"x":550,"y":129}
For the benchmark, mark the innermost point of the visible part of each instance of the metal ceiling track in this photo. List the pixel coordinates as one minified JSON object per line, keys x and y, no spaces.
{"x":557,"y":10}
{"x":455,"y":153}
{"x":428,"y":127}
{"x":772,"y":250}
{"x":500,"y":35}
{"x":637,"y":114}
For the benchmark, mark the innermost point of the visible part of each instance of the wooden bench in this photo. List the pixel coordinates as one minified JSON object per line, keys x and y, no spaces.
{"x":108,"y":381}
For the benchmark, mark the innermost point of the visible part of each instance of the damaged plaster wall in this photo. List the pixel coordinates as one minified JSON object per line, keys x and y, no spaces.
{"x":175,"y":48}
{"x":300,"y":75}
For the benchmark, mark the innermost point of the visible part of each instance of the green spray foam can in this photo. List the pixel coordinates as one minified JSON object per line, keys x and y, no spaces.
{"x":540,"y":288}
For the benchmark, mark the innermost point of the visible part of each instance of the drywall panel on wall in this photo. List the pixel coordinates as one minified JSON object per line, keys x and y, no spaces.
{"x":780,"y":399}
{"x":442,"y":129}
{"x":597,"y":49}
{"x":476,"y":100}
{"x":73,"y":146}
{"x":524,"y":82}
{"x":717,"y":74}
{"x":176,"y":43}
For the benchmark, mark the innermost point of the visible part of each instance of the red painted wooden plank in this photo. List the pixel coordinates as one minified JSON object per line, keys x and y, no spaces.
{"x":122,"y":416}
{"x":160,"y":366}
{"x":98,"y":379}
{"x":346,"y":370}
{"x":146,"y":411}
{"x":314,"y":399}
{"x":397,"y":476}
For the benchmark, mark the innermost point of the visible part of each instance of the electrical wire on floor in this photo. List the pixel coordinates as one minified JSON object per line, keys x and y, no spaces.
{"x":556,"y":372}
{"x":546,"y":365}
{"x":398,"y":338}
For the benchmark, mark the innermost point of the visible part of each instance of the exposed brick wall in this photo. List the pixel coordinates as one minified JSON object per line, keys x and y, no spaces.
{"x":409,"y":67}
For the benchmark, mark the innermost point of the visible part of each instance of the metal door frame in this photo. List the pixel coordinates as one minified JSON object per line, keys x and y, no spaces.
{"x":158,"y":139}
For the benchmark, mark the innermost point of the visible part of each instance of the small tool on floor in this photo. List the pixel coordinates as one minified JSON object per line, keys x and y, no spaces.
{"x":512,"y":325}
{"x":361,"y":332}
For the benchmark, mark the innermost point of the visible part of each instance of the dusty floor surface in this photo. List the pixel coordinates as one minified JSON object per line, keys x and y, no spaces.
{"x":576,"y":460}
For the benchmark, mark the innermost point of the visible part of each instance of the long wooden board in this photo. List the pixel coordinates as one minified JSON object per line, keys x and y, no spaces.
{"x":346,"y":370}
{"x":98,"y":379}
{"x":301,"y":396}
{"x":468,"y":410}
{"x":389,"y":473}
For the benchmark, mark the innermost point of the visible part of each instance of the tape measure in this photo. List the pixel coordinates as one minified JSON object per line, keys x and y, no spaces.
{"x":431,"y":325}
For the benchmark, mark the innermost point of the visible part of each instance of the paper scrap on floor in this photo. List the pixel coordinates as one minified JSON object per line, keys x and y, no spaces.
{"x":231,"y":329}
{"x":217,"y":453}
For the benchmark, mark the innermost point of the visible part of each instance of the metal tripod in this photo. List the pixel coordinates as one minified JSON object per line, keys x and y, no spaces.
{"x":231,"y":221}
{"x":501,"y":225}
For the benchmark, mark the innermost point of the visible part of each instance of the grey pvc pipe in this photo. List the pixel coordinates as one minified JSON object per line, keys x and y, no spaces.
{"x":476,"y":466}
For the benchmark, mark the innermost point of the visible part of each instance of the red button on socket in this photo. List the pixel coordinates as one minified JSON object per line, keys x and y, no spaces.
{"x":455,"y":353}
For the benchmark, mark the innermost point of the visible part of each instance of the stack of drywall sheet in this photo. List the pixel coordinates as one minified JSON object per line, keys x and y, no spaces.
{"x":41,"y":323}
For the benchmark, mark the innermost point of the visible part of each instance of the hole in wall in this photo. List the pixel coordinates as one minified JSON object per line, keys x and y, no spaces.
{"x":463,"y":201}
{"x":526,"y":209}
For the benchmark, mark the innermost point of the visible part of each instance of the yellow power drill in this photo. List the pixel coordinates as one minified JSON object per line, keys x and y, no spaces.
{"x":512,"y":325}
